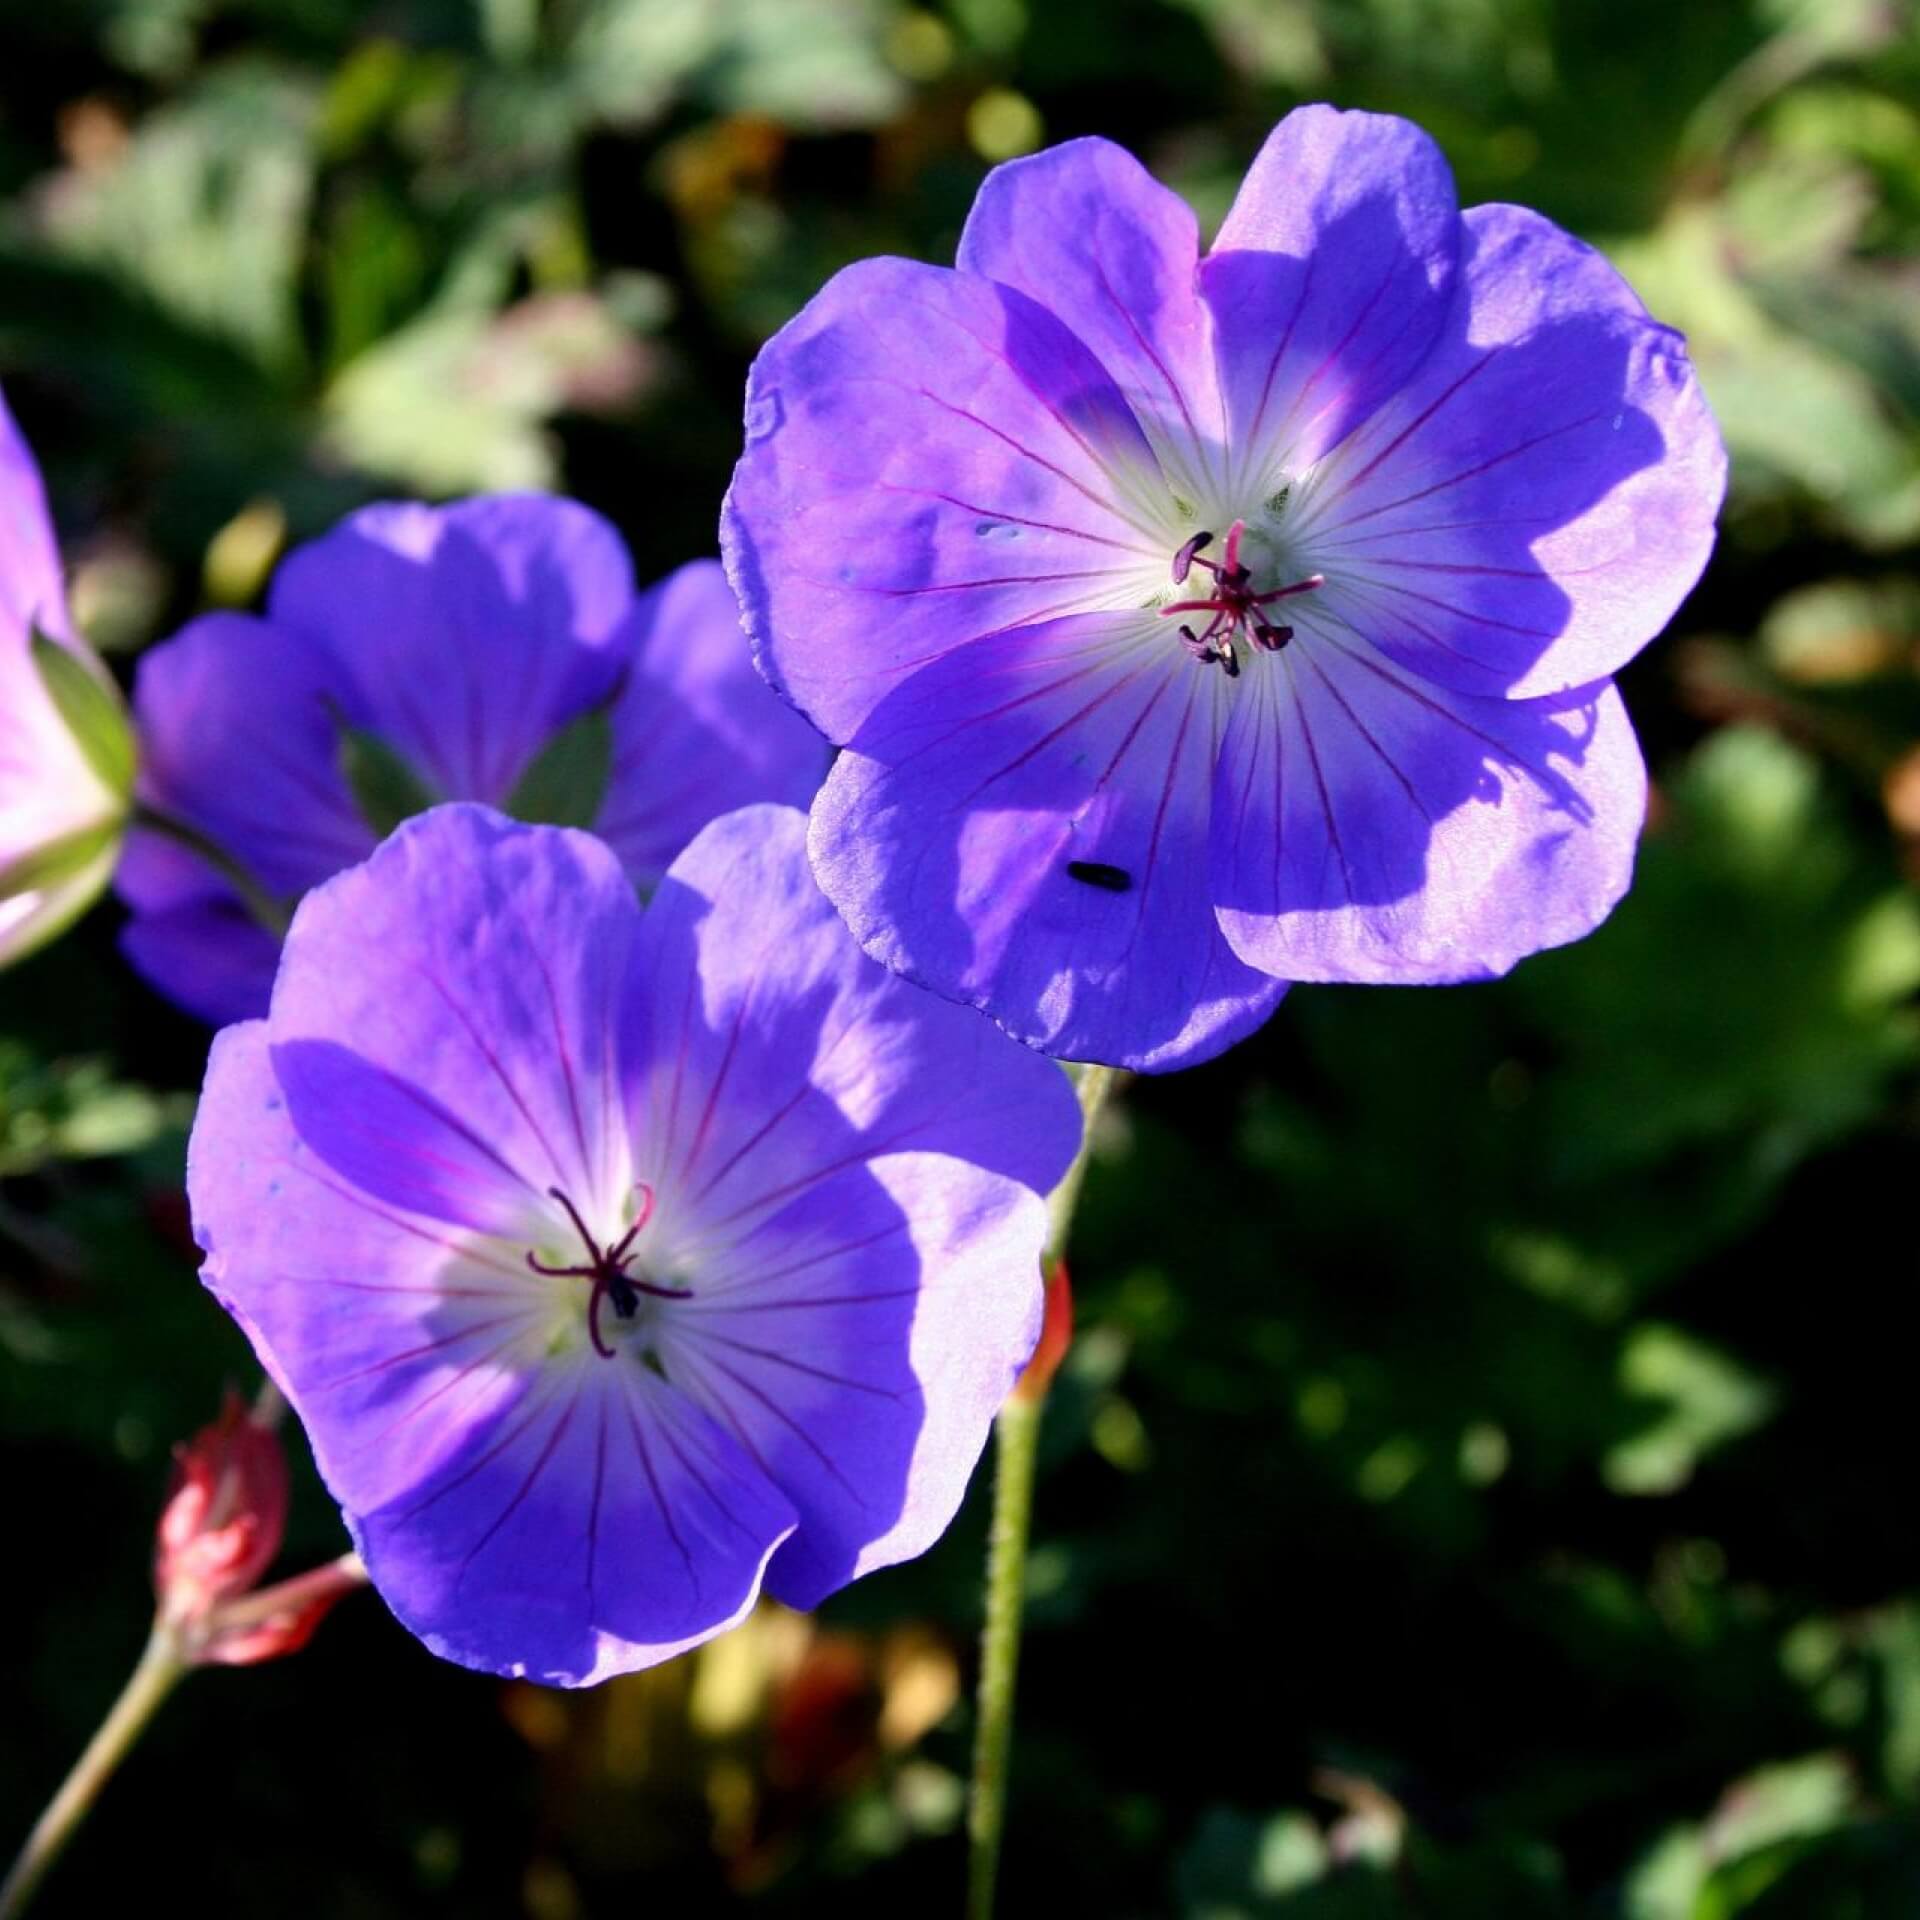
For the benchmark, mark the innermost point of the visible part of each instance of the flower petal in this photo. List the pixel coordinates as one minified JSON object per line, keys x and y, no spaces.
{"x":1086,"y":230}
{"x":480,"y":968}
{"x":930,"y":456}
{"x":48,"y":791}
{"x":230,"y":692}
{"x":696,"y":731}
{"x":1538,"y":500}
{"x":606,"y":1525}
{"x":1329,"y":281}
{"x":777,"y":1053}
{"x":858,"y":1344}
{"x":562,"y":1518}
{"x":391,"y":1335}
{"x":464,"y":635}
{"x":31,"y":589}
{"x":207,"y":954}
{"x":1369,"y":827}
{"x":1024,"y":828}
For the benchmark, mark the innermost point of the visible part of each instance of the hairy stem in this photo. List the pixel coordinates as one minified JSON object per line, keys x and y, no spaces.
{"x":1016,"y":1448}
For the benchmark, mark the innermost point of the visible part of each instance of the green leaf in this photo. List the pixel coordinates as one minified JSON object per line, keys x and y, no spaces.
{"x":567,"y":782}
{"x":90,"y":705}
{"x":384,"y":788}
{"x":205,"y":211}
{"x":1704,"y":1398}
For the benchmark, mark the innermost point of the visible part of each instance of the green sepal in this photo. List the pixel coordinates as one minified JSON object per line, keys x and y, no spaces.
{"x":46,"y":866}
{"x":566,"y":783}
{"x":90,"y":707}
{"x":384,"y":788}
{"x":52,"y":865}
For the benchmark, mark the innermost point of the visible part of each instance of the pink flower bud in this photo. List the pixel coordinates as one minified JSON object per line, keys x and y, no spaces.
{"x":225,"y":1515}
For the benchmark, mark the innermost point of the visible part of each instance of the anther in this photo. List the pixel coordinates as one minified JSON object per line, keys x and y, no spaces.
{"x":1183,"y":560}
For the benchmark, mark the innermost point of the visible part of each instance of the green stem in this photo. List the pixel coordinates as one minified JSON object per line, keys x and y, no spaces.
{"x":159,"y":1671}
{"x":272,"y":914}
{"x":1016,"y":1449}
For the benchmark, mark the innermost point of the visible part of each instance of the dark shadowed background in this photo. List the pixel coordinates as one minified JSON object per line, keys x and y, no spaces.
{"x":1483,"y":1486}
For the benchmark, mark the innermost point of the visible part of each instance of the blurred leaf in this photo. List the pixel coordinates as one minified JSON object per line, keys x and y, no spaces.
{"x":1707,"y":1400}
{"x":204,"y":212}
{"x":1774,"y":959}
{"x":1711,"y":1872}
{"x":458,"y":400}
{"x":1238,"y":1867}
{"x":567,"y":782}
{"x":807,"y":63}
{"x":1865,"y":1872}
{"x":1798,"y":416}
{"x":75,"y":1110}
{"x":384,"y":787}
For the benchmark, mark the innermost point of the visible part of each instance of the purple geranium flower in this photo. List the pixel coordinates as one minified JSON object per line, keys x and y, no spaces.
{"x":492,"y":651}
{"x":618,"y":1262}
{"x":61,"y":805}
{"x":1197,"y":625}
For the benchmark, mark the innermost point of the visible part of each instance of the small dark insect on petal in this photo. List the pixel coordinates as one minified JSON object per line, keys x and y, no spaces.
{"x":1096,"y":873}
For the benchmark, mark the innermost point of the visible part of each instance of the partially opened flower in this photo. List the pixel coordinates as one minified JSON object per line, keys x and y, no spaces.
{"x":620,"y":1263}
{"x":1197,"y":625}
{"x":493,"y":650}
{"x":65,"y":754}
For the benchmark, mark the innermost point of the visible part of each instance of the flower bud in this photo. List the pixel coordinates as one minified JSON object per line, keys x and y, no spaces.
{"x":225,"y":1515}
{"x":67,"y":753}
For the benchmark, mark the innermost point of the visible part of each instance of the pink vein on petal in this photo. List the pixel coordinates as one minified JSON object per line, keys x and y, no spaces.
{"x":525,"y":1487}
{"x":659,"y":1498}
{"x":1320,"y":781}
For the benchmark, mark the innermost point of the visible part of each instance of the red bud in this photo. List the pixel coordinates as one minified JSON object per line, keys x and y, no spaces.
{"x":225,"y":1515}
{"x":1056,"y":1335}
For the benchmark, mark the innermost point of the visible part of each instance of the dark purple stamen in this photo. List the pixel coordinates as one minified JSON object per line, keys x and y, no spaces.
{"x":607,"y":1268}
{"x":1233,"y":603}
{"x":1183,"y":560}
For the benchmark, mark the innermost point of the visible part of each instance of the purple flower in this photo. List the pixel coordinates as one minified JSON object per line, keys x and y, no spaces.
{"x":492,"y":651}
{"x":1197,"y":625}
{"x":65,"y":760}
{"x":620,"y":1263}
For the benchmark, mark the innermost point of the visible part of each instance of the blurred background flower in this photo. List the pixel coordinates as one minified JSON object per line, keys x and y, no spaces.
{"x":1481,"y":1483}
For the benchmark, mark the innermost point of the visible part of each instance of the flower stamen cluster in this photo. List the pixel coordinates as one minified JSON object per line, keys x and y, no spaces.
{"x":607,"y":1268}
{"x":1233,"y":603}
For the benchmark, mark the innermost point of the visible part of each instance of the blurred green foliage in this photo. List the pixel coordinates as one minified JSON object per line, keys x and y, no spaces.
{"x":1482,"y":1483}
